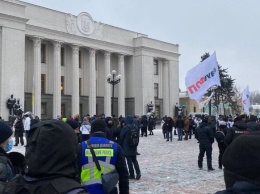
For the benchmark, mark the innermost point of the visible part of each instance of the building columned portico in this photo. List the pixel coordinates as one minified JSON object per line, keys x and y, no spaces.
{"x":57,"y":63}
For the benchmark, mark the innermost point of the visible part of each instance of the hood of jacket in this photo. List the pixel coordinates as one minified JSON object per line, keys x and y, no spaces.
{"x":240,"y":125}
{"x":129,"y":120}
{"x":51,"y":150}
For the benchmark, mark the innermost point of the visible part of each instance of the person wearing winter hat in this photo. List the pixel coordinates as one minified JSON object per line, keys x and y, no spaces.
{"x":220,"y":135}
{"x":6,"y":167}
{"x":75,"y":126}
{"x":50,"y":158}
{"x":109,"y":155}
{"x":110,"y":128}
{"x":239,"y":127}
{"x":241,"y":162}
{"x":205,"y":137}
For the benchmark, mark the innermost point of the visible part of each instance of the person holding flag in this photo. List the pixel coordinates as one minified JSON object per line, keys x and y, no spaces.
{"x":198,"y":80}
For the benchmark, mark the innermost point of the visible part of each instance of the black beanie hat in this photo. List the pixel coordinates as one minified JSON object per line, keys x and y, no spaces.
{"x":242,"y":160}
{"x":5,"y":132}
{"x":73,"y":124}
{"x":98,"y":125}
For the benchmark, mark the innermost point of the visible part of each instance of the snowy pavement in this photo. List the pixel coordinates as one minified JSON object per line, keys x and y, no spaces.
{"x":171,"y":167}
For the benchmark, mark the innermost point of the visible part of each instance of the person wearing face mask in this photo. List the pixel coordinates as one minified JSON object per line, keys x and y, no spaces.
{"x":6,"y":167}
{"x":110,"y":128}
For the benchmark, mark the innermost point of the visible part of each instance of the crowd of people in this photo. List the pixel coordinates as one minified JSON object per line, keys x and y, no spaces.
{"x":58,"y":156}
{"x":238,"y":142}
{"x":67,"y":144}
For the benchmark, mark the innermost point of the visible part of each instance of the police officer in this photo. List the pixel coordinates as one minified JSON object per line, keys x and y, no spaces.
{"x":89,"y":173}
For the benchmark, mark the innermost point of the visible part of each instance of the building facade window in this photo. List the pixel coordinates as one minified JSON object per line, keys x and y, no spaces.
{"x":43,"y":83}
{"x":43,"y":53}
{"x":62,"y":85}
{"x":62,"y":56}
{"x":157,"y":111}
{"x":81,"y":109}
{"x":194,"y":109}
{"x":156,"y":90}
{"x":155,"y":65}
{"x":80,"y":59}
{"x":43,"y":108}
{"x":80,"y":86}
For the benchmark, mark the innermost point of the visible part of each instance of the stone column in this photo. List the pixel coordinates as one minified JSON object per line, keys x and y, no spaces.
{"x":56,"y":79}
{"x":165,"y":85}
{"x":92,"y":82}
{"x":75,"y":80}
{"x":121,"y":91}
{"x":173,"y":85}
{"x":37,"y":76}
{"x":107,"y":96}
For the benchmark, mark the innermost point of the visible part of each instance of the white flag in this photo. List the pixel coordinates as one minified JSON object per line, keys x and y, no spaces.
{"x":205,"y":101}
{"x":200,"y":78}
{"x":246,"y":100}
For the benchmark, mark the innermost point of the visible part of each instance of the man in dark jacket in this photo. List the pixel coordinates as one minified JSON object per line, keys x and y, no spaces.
{"x":6,"y":172}
{"x":108,"y":159}
{"x":239,"y":128}
{"x":169,"y":126}
{"x":205,"y":136}
{"x":191,"y":124}
{"x":252,"y":125}
{"x":19,"y":130}
{"x":50,"y":158}
{"x":144,"y":124}
{"x":110,"y":128}
{"x":130,"y":151}
{"x":179,"y":125}
{"x":242,"y":167}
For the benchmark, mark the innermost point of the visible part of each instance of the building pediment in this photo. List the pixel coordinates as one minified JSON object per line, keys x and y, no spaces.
{"x":84,"y":25}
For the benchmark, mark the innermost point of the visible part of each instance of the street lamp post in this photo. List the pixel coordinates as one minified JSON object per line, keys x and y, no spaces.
{"x":113,"y":80}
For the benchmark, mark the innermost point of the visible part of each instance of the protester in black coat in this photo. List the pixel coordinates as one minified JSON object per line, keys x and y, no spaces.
{"x":130,"y":151}
{"x":164,"y":127}
{"x":239,"y":128}
{"x":220,"y":135}
{"x":50,"y":159}
{"x":118,"y":131}
{"x":252,"y":125}
{"x":241,"y":165}
{"x":169,"y":126}
{"x":144,"y":124}
{"x":18,"y":130}
{"x":6,"y":167}
{"x":205,"y":136}
{"x":179,"y":125}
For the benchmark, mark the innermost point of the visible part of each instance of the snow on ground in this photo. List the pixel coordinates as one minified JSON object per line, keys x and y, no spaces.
{"x":171,"y":167}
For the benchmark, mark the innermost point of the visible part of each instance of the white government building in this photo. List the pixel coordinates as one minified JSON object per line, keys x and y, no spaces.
{"x":57,"y":63}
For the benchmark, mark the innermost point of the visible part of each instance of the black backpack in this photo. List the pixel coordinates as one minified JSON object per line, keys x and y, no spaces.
{"x":58,"y":185}
{"x":19,"y":124}
{"x":132,"y":136}
{"x":219,"y":135}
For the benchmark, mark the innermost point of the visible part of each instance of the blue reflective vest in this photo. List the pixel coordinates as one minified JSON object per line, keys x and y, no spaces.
{"x":106,"y":152}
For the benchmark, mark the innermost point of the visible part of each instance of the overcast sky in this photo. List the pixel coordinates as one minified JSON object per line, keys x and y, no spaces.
{"x":229,"y":27}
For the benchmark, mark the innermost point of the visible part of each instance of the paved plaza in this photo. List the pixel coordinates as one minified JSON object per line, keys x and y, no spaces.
{"x":171,"y":167}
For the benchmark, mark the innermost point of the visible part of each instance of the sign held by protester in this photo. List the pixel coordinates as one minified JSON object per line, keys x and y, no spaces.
{"x":203,"y":76}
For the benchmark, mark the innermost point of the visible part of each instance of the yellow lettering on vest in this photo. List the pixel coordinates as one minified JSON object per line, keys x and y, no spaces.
{"x":100,"y":152}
